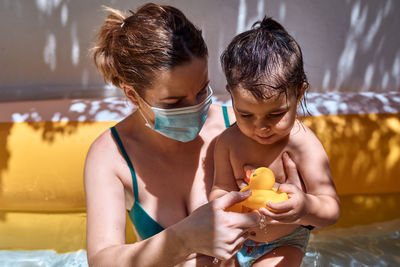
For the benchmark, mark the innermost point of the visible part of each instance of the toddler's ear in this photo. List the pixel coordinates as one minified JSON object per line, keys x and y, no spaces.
{"x":301,"y":92}
{"x":227,"y":88}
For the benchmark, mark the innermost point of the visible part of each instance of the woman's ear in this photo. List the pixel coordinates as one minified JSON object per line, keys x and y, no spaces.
{"x":131,"y":94}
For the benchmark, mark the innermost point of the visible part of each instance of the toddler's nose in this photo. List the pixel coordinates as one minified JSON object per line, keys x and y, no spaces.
{"x":265,"y":128}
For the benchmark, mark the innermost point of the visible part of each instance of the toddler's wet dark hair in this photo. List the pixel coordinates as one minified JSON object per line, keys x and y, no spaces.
{"x":265,"y":60}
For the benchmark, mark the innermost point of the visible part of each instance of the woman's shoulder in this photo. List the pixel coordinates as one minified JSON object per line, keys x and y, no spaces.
{"x":103,"y":153}
{"x":216,"y":121}
{"x":102,"y":144}
{"x":222,"y":114}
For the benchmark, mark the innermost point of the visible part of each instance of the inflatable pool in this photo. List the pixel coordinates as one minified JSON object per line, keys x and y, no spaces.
{"x":43,"y":146}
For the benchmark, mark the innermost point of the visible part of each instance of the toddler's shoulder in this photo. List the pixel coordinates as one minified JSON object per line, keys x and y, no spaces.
{"x":232,"y":132}
{"x":230,"y":136}
{"x":302,"y":136}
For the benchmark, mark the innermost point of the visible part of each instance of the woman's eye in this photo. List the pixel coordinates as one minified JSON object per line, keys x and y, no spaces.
{"x":171,"y":105}
{"x":202,"y":92}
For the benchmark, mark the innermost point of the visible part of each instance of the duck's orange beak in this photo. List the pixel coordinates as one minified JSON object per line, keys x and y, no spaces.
{"x":248,"y":174}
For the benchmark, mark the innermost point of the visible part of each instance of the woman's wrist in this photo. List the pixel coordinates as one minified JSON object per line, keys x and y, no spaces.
{"x":178,"y":237}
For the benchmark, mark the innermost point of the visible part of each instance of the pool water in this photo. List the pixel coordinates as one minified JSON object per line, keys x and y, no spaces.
{"x":370,"y":245}
{"x":42,"y":258}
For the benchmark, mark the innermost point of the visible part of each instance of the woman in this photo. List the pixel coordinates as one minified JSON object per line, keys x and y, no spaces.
{"x":156,"y":163}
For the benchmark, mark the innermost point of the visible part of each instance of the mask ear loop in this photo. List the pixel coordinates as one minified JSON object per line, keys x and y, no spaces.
{"x":147,"y":122}
{"x":140,"y":110}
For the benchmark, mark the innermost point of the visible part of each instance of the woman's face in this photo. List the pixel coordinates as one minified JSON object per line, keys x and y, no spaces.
{"x":183,"y":86}
{"x":266,"y":121}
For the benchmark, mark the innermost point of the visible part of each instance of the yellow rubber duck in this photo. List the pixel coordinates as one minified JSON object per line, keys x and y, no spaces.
{"x":261,"y":182}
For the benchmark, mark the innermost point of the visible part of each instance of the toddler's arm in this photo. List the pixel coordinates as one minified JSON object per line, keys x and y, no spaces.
{"x":319,"y":205}
{"x":224,"y":179}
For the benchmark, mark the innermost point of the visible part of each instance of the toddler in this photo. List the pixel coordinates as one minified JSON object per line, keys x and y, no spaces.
{"x":266,"y":80}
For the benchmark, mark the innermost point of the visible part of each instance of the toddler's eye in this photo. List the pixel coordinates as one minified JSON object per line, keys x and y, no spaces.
{"x":277,"y":114}
{"x":245,"y":115}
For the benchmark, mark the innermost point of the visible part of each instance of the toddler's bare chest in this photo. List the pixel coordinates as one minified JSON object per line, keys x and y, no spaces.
{"x":262,"y":158}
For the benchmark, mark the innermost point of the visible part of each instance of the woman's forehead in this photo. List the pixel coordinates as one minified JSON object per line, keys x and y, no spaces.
{"x":180,"y":80}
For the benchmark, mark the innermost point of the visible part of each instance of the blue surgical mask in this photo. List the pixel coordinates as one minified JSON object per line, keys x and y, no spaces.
{"x":181,"y":124}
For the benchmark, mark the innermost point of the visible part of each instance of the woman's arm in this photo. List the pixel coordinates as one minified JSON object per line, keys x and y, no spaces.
{"x":208,"y":230}
{"x":106,"y":218}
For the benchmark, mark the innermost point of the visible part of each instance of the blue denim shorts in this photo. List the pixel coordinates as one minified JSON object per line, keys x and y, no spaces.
{"x":251,"y":250}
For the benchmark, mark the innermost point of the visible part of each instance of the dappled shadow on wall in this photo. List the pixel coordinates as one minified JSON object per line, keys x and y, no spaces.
{"x":364,"y":150}
{"x":35,"y":135}
{"x":364,"y":155}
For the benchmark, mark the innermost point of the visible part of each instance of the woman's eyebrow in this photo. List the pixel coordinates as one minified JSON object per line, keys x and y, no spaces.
{"x":181,"y":97}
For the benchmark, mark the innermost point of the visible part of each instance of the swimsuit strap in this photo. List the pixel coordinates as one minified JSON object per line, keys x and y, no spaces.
{"x":123,"y":151}
{"x":226,"y":117}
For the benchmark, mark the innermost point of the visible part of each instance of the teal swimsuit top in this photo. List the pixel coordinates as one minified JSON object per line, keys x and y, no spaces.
{"x":145,"y":225}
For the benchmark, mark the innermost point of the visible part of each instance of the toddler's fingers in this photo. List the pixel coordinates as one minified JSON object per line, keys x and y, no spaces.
{"x":241,"y":183}
{"x":287,"y":188}
{"x":248,"y":167}
{"x":281,"y":206}
{"x":285,"y":217}
{"x":290,"y":167}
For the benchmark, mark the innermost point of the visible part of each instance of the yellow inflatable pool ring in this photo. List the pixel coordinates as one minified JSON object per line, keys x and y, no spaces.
{"x":42,"y":200}
{"x":261,"y":183}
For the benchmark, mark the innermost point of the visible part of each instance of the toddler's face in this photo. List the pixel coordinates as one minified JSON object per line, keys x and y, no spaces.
{"x":264,"y":121}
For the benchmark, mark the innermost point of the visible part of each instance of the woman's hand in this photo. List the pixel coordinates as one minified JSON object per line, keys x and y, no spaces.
{"x":212,"y":231}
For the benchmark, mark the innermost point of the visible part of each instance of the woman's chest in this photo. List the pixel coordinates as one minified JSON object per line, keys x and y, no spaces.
{"x":168,"y":188}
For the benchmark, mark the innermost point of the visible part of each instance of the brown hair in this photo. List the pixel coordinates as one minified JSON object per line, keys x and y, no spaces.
{"x":264,"y":60}
{"x":132,"y":49}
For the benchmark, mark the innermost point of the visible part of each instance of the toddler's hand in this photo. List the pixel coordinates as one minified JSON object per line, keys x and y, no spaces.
{"x":289,"y":211}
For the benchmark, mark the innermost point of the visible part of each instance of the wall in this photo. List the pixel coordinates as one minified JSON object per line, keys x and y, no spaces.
{"x":348,"y":45}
